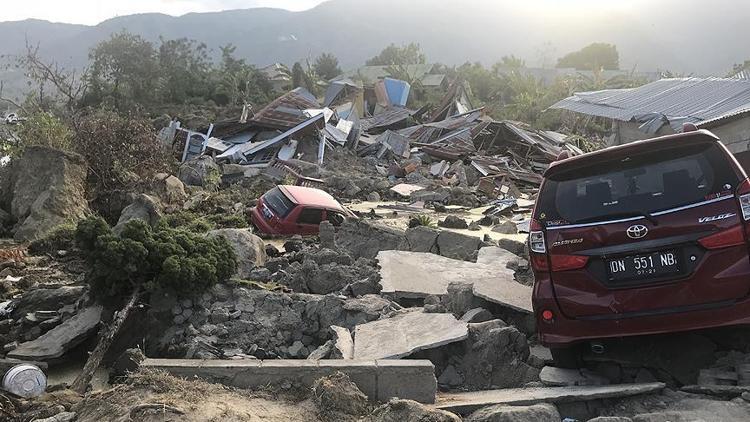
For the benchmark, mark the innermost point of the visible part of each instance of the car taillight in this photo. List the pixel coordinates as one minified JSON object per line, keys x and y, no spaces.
{"x":568,"y":262}
{"x":536,"y":238}
{"x":743,"y":194}
{"x":724,"y":238}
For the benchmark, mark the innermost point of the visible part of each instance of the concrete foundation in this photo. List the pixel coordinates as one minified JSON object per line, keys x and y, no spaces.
{"x":378,"y":379}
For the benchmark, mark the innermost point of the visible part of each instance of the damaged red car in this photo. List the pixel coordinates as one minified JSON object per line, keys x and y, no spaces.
{"x":645,"y":238}
{"x":290,"y":210}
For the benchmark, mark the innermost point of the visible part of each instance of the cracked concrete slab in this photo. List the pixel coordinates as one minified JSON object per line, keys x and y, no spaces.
{"x":419,"y":274}
{"x":404,"y":334}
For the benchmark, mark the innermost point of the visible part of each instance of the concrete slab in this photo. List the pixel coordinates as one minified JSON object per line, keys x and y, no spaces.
{"x":418,"y":274}
{"x":379,"y":380}
{"x":464,"y":403}
{"x":55,"y":342}
{"x":404,"y":334}
{"x":405,"y":189}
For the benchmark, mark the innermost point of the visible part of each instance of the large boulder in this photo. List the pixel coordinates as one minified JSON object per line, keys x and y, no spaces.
{"x":202,"y":171}
{"x":543,"y":412}
{"x":145,"y":207}
{"x":422,"y":239}
{"x":249,"y":248}
{"x":47,"y":189}
{"x":169,"y":189}
{"x":456,"y":245}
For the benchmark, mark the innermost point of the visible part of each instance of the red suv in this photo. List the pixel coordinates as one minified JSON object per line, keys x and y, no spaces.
{"x":289,"y":210}
{"x":644,"y":238}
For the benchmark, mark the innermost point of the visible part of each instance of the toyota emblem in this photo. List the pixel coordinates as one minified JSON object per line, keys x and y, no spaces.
{"x":637,"y":231}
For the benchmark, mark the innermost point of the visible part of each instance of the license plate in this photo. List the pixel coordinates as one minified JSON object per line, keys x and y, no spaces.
{"x":653,"y":265}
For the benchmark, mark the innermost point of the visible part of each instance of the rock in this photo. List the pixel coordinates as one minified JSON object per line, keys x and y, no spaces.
{"x":260,"y":274}
{"x":294,"y":244}
{"x":477,"y":315}
{"x":453,"y":222}
{"x":513,"y":246}
{"x":535,"y":413}
{"x":365,"y":239}
{"x":60,"y":417}
{"x":746,"y":396}
{"x":343,"y":343}
{"x":459,"y":298}
{"x":337,"y":394}
{"x":55,"y":342}
{"x":322,"y":352}
{"x":506,"y":227}
{"x":456,"y":245}
{"x":47,"y":189}
{"x":249,"y":248}
{"x":46,"y":299}
{"x":327,"y":235}
{"x":422,"y":239}
{"x":404,"y":334}
{"x":539,"y":356}
{"x":145,"y":207}
{"x":170,"y":189}
{"x":610,"y":419}
{"x":272,"y":251}
{"x":398,"y":410}
{"x":202,"y":171}
{"x":373,"y":197}
{"x":558,"y":377}
{"x":450,"y":377}
{"x":5,"y":218}
{"x":295,"y":349}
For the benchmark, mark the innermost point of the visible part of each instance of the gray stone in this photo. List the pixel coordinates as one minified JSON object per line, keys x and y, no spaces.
{"x":327,"y":235}
{"x":558,"y":377}
{"x":459,"y":297}
{"x":363,"y":239}
{"x":450,"y":377}
{"x":343,"y":343}
{"x":506,"y":227}
{"x":145,"y":207}
{"x":55,"y":342}
{"x":457,"y":245}
{"x":453,"y":222}
{"x":37,"y":299}
{"x":373,"y":197}
{"x":512,"y":246}
{"x":169,"y":189}
{"x":417,"y":275}
{"x":539,"y":356}
{"x":544,"y":412}
{"x":468,"y":402}
{"x":610,"y":419}
{"x":249,"y":248}
{"x":60,"y":417}
{"x":405,"y":334}
{"x":422,"y":239}
{"x":202,"y":171}
{"x":477,"y":315}
{"x":47,"y":189}
{"x":296,"y":348}
{"x":322,"y":352}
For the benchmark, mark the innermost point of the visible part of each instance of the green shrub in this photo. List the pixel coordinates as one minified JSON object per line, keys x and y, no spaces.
{"x":140,"y":256}
{"x":229,"y":221}
{"x":186,"y":220}
{"x":60,"y":238}
{"x":421,"y":220}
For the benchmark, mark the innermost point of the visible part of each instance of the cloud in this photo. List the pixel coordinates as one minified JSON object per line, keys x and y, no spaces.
{"x":92,"y":12}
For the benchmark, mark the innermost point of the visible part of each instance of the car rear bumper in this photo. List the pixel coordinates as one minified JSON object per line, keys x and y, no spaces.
{"x":564,"y":331}
{"x":260,"y":223}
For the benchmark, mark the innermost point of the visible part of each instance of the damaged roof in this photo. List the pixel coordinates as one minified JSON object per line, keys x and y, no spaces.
{"x":286,"y":111}
{"x":678,"y":99}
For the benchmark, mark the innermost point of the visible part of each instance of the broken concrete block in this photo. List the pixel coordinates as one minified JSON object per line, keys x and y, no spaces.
{"x":343,"y":343}
{"x":405,"y":190}
{"x":417,"y":275}
{"x":55,"y":342}
{"x":422,"y":239}
{"x":405,"y":334}
{"x":477,"y":315}
{"x":558,"y":377}
{"x":543,"y":412}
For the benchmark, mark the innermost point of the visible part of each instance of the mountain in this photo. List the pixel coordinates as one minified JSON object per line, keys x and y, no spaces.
{"x":682,"y":36}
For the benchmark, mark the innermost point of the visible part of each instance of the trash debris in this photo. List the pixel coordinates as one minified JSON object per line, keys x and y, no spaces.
{"x":25,"y":380}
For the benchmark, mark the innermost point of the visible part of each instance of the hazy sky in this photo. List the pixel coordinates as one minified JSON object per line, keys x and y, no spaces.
{"x":91,"y":12}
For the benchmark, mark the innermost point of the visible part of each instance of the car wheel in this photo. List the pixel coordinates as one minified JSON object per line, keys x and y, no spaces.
{"x":566,"y":357}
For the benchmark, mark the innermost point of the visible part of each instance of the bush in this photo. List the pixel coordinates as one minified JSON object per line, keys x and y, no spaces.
{"x":46,"y":130}
{"x":229,"y":221}
{"x":186,"y":220}
{"x":161,"y":258}
{"x":421,"y":220}
{"x":60,"y":238}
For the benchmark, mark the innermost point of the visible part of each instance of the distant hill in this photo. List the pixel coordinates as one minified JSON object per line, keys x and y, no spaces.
{"x":655,"y":35}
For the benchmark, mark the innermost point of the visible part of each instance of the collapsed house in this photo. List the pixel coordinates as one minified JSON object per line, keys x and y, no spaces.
{"x":721,"y":105}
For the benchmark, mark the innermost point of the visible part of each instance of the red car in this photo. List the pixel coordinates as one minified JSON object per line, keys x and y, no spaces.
{"x":289,"y":210}
{"x":645,"y":238}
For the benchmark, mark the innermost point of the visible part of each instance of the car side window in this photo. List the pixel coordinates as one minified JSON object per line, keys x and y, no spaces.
{"x":335,"y":218}
{"x":310,"y":216}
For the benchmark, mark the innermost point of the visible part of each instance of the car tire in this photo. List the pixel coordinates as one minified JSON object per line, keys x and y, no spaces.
{"x":566,"y":357}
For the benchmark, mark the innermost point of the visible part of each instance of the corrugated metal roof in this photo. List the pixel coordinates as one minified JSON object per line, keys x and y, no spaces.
{"x":286,"y":111}
{"x":433,"y":80}
{"x":685,"y":99}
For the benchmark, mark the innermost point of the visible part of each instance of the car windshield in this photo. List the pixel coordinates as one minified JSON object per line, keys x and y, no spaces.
{"x":636,"y":185}
{"x":278,"y":202}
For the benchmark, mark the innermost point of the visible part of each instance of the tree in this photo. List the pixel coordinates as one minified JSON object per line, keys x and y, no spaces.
{"x":327,"y":66}
{"x":239,"y":82}
{"x":593,"y":56}
{"x":184,"y":70}
{"x":124,"y":71}
{"x":511,"y":62}
{"x":395,"y":55}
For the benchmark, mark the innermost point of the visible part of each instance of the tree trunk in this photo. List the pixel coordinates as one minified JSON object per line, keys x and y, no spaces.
{"x":107,"y":336}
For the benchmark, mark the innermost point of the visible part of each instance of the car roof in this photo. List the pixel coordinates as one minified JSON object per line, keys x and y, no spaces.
{"x":301,"y":195}
{"x":621,"y":151}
